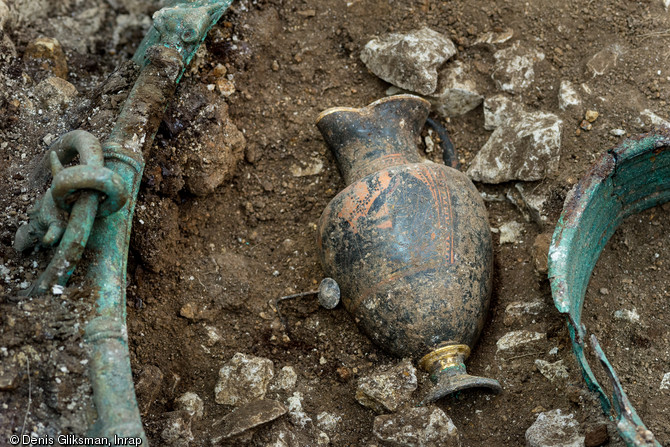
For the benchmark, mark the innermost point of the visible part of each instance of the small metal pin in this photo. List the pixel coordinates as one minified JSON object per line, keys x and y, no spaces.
{"x":328,"y":295}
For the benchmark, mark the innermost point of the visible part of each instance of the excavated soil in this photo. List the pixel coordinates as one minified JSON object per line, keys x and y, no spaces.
{"x":226,"y":216}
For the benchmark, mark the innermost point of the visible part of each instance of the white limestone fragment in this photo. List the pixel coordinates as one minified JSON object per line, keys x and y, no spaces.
{"x":295,"y":411}
{"x":514,"y":67}
{"x":192,"y":404}
{"x":328,"y":421}
{"x":213,"y":335}
{"x":665,"y":382}
{"x":520,"y":311}
{"x":627,"y":315}
{"x":605,"y":59}
{"x":568,"y":96}
{"x":286,"y":379}
{"x":533,"y":200}
{"x":493,"y":38}
{"x":554,"y":372}
{"x":386,"y":389}
{"x":510,"y":232}
{"x":524,"y":147}
{"x":498,"y":110}
{"x":655,"y":119}
{"x":417,"y":427}
{"x":312,"y":168}
{"x":554,"y":429}
{"x":516,"y":339}
{"x":409,"y":60}
{"x":243,"y":379}
{"x":456,"y":92}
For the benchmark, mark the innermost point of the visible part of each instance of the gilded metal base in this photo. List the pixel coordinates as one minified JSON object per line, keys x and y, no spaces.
{"x":447,"y":370}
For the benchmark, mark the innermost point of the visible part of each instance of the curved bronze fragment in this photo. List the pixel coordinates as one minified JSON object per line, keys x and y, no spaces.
{"x":628,"y":179}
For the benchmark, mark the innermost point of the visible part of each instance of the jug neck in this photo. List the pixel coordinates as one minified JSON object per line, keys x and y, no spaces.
{"x":375,"y":137}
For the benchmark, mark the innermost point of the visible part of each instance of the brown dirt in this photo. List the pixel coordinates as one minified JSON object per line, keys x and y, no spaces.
{"x":252,"y":238}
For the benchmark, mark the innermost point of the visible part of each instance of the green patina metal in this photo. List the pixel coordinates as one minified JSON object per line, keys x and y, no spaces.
{"x":626,"y":180}
{"x":163,"y":55}
{"x":182,"y":25}
{"x":91,"y":181}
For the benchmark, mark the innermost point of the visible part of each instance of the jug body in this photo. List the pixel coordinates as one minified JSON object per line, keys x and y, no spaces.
{"x":410,"y":247}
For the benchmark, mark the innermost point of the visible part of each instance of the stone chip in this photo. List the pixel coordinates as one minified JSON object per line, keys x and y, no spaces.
{"x":417,"y":427}
{"x":191,"y":403}
{"x":568,"y":96}
{"x":554,"y":372}
{"x":286,"y":379}
{"x":147,"y":386}
{"x":409,"y":60}
{"x":243,"y":379}
{"x":517,"y":340}
{"x":554,"y":429}
{"x":456,"y":92}
{"x":247,"y":417}
{"x":541,"y":252}
{"x":177,"y":429}
{"x":524,"y":146}
{"x":387,"y":389}
{"x":47,"y":54}
{"x":515,"y":68}
{"x":604,"y":60}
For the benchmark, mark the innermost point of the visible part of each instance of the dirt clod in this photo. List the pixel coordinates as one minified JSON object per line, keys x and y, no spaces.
{"x":596,"y":436}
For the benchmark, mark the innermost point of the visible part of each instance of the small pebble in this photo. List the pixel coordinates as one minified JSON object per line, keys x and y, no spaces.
{"x":343,"y":373}
{"x":591,"y":115}
{"x":585,"y":125}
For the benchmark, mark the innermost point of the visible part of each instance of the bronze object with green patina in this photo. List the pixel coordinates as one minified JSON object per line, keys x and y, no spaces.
{"x":102,"y":227}
{"x":626,"y":180}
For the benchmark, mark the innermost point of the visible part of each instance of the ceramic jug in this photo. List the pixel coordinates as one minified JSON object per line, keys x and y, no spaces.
{"x":407,"y":240}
